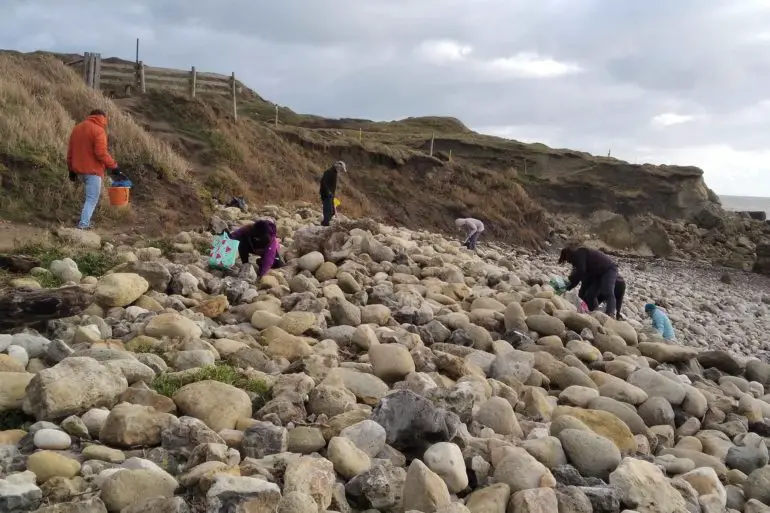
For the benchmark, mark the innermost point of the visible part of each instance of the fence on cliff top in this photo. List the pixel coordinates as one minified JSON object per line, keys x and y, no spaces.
{"x":127,"y":77}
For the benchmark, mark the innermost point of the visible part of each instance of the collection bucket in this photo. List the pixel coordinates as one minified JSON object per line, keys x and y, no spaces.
{"x":118,"y":196}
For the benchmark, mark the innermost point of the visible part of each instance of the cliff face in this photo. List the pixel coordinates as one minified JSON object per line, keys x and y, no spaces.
{"x":573,"y":182}
{"x":419,"y":172}
{"x":669,"y":192}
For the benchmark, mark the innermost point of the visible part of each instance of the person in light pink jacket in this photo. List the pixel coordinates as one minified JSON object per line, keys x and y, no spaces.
{"x":474,"y":229}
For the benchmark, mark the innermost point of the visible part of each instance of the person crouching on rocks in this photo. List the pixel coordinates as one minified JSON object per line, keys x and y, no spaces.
{"x":259,"y":238}
{"x":597,"y":274}
{"x":660,"y":321}
{"x":329,"y":190}
{"x":474,"y":228}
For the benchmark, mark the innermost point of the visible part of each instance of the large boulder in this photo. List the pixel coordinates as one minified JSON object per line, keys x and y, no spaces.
{"x":134,"y":425}
{"x":391,"y":362}
{"x":127,"y":487}
{"x":72,"y":387}
{"x":709,"y":216}
{"x":219,"y":405}
{"x":521,"y":471}
{"x":762,"y":264}
{"x":66,"y":270}
{"x":120,"y":289}
{"x":85,"y":238}
{"x":413,"y":423}
{"x":644,"y":488}
{"x":656,"y":384}
{"x":424,"y":490}
{"x":650,"y":235}
{"x":757,"y":486}
{"x":13,"y":387}
{"x":156,"y":274}
{"x":602,"y":423}
{"x":613,"y":229}
{"x":446,"y":460}
{"x":312,"y":476}
{"x":172,"y":325}
{"x":246,"y":494}
{"x":591,"y":454}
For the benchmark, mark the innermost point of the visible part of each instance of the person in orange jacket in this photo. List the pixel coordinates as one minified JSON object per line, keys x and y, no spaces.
{"x":87,"y":158}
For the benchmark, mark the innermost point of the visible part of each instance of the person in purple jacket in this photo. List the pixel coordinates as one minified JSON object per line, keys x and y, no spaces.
{"x":259,"y":238}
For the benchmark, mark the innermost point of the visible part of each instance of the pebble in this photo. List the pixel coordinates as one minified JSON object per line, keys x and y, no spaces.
{"x":52,"y":439}
{"x":375,"y":346}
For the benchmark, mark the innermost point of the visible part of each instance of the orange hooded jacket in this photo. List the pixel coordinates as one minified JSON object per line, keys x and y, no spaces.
{"x":87,"y":152}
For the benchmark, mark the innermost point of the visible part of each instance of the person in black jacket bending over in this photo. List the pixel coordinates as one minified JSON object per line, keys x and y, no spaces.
{"x":329,"y":189}
{"x":620,"y":292}
{"x":596,"y":272}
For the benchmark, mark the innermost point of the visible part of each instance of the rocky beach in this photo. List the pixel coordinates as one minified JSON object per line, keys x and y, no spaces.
{"x":380,"y":370}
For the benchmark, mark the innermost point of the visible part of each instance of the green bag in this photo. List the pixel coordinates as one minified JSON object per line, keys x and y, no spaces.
{"x":224,"y":251}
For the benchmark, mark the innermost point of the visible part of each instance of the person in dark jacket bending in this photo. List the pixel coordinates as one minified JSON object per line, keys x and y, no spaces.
{"x":597,"y":274}
{"x":620,"y":292}
{"x":259,"y":238}
{"x":329,"y":189}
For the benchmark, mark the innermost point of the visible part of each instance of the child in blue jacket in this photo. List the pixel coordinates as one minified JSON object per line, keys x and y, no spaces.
{"x":660,"y":321}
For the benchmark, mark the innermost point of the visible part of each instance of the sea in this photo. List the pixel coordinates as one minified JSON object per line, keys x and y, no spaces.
{"x":745,"y":203}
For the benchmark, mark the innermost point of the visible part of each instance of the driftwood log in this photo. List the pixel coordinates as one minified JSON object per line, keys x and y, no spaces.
{"x":34,"y":308}
{"x":18,"y":264}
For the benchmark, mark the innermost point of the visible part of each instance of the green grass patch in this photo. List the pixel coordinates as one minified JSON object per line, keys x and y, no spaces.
{"x":95,"y":264}
{"x":43,"y":252}
{"x":48,"y":281}
{"x":90,"y":263}
{"x":148,"y":348}
{"x":169,"y":384}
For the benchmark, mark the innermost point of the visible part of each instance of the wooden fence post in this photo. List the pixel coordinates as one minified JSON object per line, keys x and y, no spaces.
{"x":97,"y":71}
{"x":432,"y":139}
{"x":360,"y":135}
{"x":193,"y":82}
{"x":276,"y":115}
{"x":86,"y":66}
{"x":235,"y":102}
{"x":92,"y":70}
{"x":142,"y":82}
{"x":450,"y":154}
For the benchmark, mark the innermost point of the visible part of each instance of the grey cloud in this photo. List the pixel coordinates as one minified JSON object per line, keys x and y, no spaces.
{"x":359,"y":59}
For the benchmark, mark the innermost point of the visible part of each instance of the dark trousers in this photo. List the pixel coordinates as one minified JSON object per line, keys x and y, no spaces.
{"x":620,"y":293}
{"x":327,"y":203}
{"x":472,"y":240}
{"x":600,"y":288}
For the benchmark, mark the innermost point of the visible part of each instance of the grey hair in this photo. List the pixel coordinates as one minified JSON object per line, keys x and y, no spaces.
{"x":340,"y":166}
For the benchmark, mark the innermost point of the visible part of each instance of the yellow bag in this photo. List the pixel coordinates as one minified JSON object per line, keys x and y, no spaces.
{"x":336,"y":202}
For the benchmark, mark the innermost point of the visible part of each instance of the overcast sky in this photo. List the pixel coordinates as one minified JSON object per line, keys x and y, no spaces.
{"x":662,"y":81}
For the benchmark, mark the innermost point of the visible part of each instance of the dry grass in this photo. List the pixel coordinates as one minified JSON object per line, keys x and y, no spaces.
{"x":193,"y":151}
{"x":41,"y":100}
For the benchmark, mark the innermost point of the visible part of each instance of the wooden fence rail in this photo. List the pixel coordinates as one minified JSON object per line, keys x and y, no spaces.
{"x":130,"y":77}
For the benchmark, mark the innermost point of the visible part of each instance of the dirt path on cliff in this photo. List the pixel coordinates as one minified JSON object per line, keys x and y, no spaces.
{"x":15,"y":234}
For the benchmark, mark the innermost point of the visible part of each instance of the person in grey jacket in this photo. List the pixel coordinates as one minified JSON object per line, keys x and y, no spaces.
{"x":473,"y":228}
